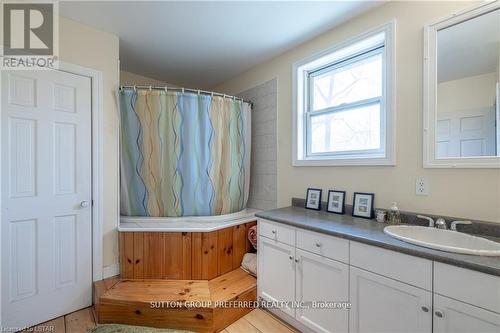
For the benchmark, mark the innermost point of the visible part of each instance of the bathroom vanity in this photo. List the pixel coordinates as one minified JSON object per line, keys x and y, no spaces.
{"x":392,"y":286}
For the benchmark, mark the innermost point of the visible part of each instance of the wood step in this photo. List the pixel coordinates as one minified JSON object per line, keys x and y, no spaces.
{"x":197,"y":305}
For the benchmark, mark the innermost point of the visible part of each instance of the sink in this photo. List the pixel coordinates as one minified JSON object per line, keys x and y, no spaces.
{"x":444,"y":240}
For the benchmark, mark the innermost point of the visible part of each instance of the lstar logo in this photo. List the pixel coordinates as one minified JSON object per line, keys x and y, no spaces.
{"x":28,"y":29}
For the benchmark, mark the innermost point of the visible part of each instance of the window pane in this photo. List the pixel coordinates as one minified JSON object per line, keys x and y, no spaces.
{"x":354,"y":82}
{"x":352,"y":129}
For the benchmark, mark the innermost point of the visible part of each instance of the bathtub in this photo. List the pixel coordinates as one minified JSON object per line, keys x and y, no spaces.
{"x":185,"y":224}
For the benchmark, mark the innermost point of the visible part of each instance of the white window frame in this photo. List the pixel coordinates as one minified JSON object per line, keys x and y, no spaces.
{"x":303,"y":69}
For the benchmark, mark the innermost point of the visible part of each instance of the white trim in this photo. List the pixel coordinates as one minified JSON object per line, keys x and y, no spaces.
{"x":429,"y":94}
{"x":97,"y":162}
{"x":298,"y":158}
{"x":111,"y":270}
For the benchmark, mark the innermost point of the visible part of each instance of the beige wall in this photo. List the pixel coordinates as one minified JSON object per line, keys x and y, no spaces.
{"x":472,"y":92}
{"x":469,"y":193}
{"x":129,"y":78}
{"x":85,"y":46}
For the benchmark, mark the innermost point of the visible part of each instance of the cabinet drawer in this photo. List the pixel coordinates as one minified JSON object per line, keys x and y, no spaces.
{"x":402,"y":267}
{"x":468,"y":286}
{"x":324,"y":245}
{"x":277,"y":231}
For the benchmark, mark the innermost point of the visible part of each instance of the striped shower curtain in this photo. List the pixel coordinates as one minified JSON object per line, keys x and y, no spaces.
{"x":183,"y":154}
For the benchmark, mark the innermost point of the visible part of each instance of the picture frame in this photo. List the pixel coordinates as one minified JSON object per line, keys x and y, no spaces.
{"x":336,"y":202}
{"x":313,"y":199}
{"x":362,"y":205}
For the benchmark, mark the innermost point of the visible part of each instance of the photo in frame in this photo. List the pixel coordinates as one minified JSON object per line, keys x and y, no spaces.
{"x":313,"y":198}
{"x":336,"y":202}
{"x":362,"y":205}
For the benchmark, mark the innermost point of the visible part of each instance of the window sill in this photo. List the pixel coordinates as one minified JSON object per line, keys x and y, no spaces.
{"x":345,"y":162}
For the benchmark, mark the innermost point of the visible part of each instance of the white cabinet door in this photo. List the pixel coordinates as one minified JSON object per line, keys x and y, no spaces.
{"x":380,"y":304}
{"x":46,"y":195}
{"x":451,"y":316}
{"x":323,"y":281}
{"x":276,"y":278}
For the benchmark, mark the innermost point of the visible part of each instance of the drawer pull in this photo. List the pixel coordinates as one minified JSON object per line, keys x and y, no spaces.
{"x":425,"y":309}
{"x":318,"y":244}
{"x":439,"y":314}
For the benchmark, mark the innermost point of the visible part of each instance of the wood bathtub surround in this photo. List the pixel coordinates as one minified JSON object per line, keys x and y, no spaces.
{"x":183,"y":255}
{"x":193,"y":305}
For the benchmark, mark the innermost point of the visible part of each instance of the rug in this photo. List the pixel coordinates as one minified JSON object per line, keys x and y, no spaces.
{"x":118,"y":328}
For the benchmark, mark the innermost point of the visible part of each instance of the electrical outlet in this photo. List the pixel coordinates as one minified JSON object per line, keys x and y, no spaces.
{"x":421,"y":186}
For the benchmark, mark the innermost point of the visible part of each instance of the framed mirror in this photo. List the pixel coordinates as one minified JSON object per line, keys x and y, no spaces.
{"x":462,"y":90}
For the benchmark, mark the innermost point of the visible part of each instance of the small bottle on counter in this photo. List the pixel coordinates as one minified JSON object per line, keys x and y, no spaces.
{"x":394,"y":216}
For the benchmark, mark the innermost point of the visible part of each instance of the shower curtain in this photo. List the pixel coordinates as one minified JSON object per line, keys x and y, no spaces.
{"x":183,"y":154}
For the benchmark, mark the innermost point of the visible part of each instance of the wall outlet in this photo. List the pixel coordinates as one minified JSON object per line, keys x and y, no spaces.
{"x":421,"y":186}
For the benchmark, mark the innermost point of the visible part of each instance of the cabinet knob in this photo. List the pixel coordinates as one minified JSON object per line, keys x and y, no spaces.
{"x":439,"y":314}
{"x":318,"y":244}
{"x":273,"y":231}
{"x":296,"y":260}
{"x":425,"y":309}
{"x":290,"y":257}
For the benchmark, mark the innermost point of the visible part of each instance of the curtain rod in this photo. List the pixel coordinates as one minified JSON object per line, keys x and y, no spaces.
{"x":196,"y":91}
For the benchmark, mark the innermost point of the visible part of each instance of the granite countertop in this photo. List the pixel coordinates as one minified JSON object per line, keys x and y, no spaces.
{"x":372,"y":233}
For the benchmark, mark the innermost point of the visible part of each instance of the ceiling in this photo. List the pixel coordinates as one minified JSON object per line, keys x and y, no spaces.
{"x":470,"y":48}
{"x":202,"y":44}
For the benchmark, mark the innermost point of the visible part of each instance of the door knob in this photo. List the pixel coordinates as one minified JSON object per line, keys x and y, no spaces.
{"x":84,"y":204}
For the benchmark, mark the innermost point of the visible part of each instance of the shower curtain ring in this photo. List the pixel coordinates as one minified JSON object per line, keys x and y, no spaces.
{"x":166,"y":89}
{"x":135,"y":88}
{"x":199,"y":92}
{"x":183,"y":90}
{"x":150,"y":88}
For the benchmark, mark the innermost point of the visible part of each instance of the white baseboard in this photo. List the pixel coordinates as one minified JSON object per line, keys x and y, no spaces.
{"x":110,"y":270}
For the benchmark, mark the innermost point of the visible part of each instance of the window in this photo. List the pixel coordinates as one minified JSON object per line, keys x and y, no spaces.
{"x":343,"y":103}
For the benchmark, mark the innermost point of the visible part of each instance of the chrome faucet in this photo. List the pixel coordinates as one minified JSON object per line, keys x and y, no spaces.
{"x":431,"y":221}
{"x":441,"y":223}
{"x":454,"y":224}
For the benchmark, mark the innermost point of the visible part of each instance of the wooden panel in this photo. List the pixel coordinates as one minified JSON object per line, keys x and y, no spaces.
{"x":196,"y":255}
{"x":127,"y":255}
{"x":209,"y":268}
{"x":177,"y":255}
{"x":138,"y":255}
{"x":153,"y":255}
{"x":225,"y":250}
{"x":142,"y":314}
{"x":186,"y":255}
{"x":239,"y":244}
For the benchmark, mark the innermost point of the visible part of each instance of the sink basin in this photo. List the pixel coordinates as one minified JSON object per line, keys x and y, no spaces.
{"x":444,"y":240}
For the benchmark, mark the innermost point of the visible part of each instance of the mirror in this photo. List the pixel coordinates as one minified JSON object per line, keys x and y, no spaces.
{"x":462,"y":78}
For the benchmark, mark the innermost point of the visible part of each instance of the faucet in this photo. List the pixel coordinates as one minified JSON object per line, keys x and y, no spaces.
{"x":441,"y":223}
{"x":431,"y":221}
{"x":454,"y":224}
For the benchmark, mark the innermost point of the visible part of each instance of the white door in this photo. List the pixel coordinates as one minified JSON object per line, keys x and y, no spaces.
{"x":466,"y":133}
{"x":324,"y":280}
{"x":45,"y":195}
{"x":380,"y":304}
{"x":276,"y":273}
{"x":451,"y":316}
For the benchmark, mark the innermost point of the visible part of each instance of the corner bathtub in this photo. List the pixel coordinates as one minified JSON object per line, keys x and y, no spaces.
{"x":185,"y":224}
{"x":184,"y":248}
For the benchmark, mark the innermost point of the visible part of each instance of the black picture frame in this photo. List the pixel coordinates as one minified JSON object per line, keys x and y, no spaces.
{"x":356,"y":209}
{"x":342,"y":210}
{"x":318,"y":199}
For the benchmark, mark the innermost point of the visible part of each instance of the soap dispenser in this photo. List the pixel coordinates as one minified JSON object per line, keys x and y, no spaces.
{"x":394,"y":216}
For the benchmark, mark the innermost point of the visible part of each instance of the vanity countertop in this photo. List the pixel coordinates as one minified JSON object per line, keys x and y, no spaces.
{"x":372,"y":233}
